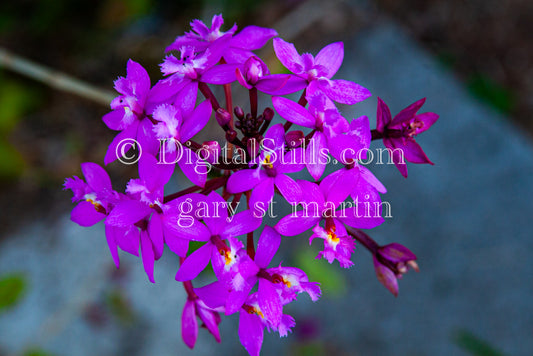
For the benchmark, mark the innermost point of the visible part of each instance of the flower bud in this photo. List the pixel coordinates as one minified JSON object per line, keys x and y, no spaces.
{"x":239,"y":112}
{"x":223,"y":117}
{"x":254,"y":68}
{"x":268,"y":114}
{"x":391,"y":262}
{"x":231,"y":135}
{"x":294,"y":138}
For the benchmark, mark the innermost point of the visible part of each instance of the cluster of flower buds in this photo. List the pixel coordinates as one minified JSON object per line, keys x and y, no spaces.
{"x":258,"y":160}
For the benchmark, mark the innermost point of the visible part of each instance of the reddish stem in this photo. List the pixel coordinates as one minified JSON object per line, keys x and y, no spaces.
{"x":364,"y":239}
{"x":253,"y":101}
{"x":206,"y":91}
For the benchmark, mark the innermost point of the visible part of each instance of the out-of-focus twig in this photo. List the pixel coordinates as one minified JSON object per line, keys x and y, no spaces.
{"x":54,"y":78}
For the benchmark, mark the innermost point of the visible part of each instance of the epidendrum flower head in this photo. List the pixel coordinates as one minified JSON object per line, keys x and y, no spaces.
{"x":223,"y":210}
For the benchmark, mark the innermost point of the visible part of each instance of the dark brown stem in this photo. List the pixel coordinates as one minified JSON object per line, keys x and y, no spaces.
{"x":376,"y":135}
{"x":364,"y":239}
{"x":229,"y":103}
{"x":253,"y":102}
{"x":206,"y":91}
{"x":250,"y":249}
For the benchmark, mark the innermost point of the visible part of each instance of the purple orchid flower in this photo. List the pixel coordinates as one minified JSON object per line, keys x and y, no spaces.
{"x":255,"y":74}
{"x":239,"y":48}
{"x":293,"y":281}
{"x":194,"y":67}
{"x":96,"y":197}
{"x":252,"y":322}
{"x":391,"y":262}
{"x":195,"y":307}
{"x":268,"y":297}
{"x":134,"y":212}
{"x":129,"y":113}
{"x":398,"y":133}
{"x":270,"y":172}
{"x":176,"y":126}
{"x":218,"y":227}
{"x":252,"y":319}
{"x":277,"y":286}
{"x":320,"y":204}
{"x":337,"y":244}
{"x":328,"y":125}
{"x":96,"y":200}
{"x":317,"y":71}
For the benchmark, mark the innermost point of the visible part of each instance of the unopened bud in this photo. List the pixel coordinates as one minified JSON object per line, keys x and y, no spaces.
{"x":223,"y":117}
{"x":239,"y":112}
{"x":231,"y":135}
{"x":294,"y":138}
{"x":268,"y":114}
{"x":254,"y":68}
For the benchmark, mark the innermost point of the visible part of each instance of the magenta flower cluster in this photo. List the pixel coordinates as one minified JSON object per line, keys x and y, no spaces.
{"x":259,"y":160}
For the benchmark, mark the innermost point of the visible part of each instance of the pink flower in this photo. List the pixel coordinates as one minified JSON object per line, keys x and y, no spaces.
{"x":399,"y":133}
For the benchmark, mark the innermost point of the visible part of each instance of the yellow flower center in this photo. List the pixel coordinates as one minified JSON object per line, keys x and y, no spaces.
{"x":267,"y":162}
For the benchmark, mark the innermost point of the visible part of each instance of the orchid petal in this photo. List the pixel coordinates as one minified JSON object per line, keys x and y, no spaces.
{"x":240,"y":224}
{"x":112,"y":243}
{"x":293,"y":112}
{"x":407,"y":114}
{"x":196,"y":121}
{"x":289,"y":189}
{"x":220,"y":74}
{"x":155,"y":229}
{"x":250,"y":332}
{"x":195,"y":263}
{"x":214,"y":295}
{"x":148,"y":257}
{"x":331,"y":57}
{"x":288,"y":56}
{"x":269,"y":302}
{"x":85,"y":214}
{"x":267,"y":246}
{"x":128,"y":212}
{"x":193,"y":167}
{"x":296,"y":223}
{"x":386,"y":277}
{"x":345,"y":92}
{"x":252,"y":37}
{"x":244,"y":180}
{"x":117,"y":145}
{"x":189,"y":324}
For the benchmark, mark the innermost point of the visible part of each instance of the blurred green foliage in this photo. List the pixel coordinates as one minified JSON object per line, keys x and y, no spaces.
{"x":12,"y":288}
{"x":119,"y":307}
{"x":314,"y":348}
{"x":233,"y":10}
{"x":36,"y":352}
{"x":332,"y":282}
{"x":16,"y":100}
{"x":491,"y":92}
{"x":474,"y":345}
